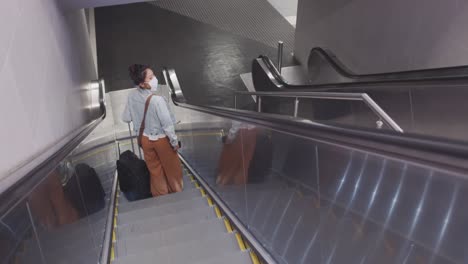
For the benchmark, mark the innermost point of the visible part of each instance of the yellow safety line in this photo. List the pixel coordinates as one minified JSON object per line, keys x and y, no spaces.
{"x":114,"y":239}
{"x":240,"y":242}
{"x":202,"y":191}
{"x":228,"y":225}
{"x":114,"y":236}
{"x":197,"y":185}
{"x":254,"y":257}
{"x":112,"y":253}
{"x":218,"y":212}
{"x":210,"y":202}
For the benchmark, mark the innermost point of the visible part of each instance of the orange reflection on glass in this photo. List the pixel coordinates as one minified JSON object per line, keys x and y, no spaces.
{"x":237,"y":153}
{"x":50,"y":205}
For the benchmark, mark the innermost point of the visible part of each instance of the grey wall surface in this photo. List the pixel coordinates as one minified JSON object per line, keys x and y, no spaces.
{"x":371,"y":36}
{"x":46,"y":65}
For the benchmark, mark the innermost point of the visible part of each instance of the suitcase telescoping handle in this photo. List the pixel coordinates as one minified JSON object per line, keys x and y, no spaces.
{"x":131,"y":140}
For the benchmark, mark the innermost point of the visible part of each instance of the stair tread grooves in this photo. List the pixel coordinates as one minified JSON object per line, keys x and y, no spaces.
{"x":162,"y":210}
{"x":156,"y":201}
{"x":165,"y":222}
{"x":204,"y":248}
{"x":168,"y":237}
{"x":231,"y":258}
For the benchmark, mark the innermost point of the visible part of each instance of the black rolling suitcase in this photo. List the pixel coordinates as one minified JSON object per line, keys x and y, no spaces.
{"x":134,"y":177}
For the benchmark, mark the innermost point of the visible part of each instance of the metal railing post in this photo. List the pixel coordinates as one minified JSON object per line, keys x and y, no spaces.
{"x":131,"y":137}
{"x":139,"y":151}
{"x":382,"y":115}
{"x":379,"y":124}
{"x":235,"y":101}
{"x":296,"y":106}
{"x":280,"y":55}
{"x":259,"y":104}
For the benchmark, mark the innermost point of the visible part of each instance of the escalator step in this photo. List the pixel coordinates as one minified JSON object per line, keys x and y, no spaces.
{"x":231,"y":258}
{"x":204,"y":248}
{"x":165,"y":199}
{"x":161,"y":210}
{"x":176,"y":235}
{"x":188,"y":186}
{"x":144,"y":226}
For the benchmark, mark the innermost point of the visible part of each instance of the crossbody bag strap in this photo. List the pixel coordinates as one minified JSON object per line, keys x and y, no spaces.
{"x":142,"y":126}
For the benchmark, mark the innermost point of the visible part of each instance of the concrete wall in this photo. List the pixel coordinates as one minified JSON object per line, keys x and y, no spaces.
{"x":371,"y":36}
{"x":46,"y":65}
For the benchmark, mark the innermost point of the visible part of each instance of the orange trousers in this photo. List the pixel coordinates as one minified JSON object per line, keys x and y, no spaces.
{"x":234,"y":163}
{"x":164,"y":166}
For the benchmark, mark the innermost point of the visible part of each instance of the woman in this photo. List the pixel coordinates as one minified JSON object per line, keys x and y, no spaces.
{"x":159,"y":141}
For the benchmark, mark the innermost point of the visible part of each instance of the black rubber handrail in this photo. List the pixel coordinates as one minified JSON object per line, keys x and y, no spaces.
{"x":432,"y":73}
{"x":432,"y":151}
{"x":347,"y":78}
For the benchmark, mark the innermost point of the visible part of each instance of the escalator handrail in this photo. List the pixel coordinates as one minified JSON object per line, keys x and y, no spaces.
{"x":432,"y":151}
{"x":365,"y":80}
{"x":344,"y":71}
{"x":106,"y":251}
{"x":24,"y":179}
{"x":364,"y":97}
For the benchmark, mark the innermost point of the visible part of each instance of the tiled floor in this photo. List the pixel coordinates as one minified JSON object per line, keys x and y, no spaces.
{"x":208,"y":60}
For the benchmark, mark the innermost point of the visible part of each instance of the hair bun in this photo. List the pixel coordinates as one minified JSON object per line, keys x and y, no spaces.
{"x":137,"y":72}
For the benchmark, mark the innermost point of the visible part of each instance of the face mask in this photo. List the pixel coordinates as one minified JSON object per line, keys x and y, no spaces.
{"x":154,"y":84}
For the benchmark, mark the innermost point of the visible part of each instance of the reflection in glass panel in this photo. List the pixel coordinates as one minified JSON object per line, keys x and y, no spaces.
{"x":95,"y":170}
{"x":238,"y":147}
{"x":61,"y":215}
{"x":62,"y":219}
{"x":18,"y":243}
